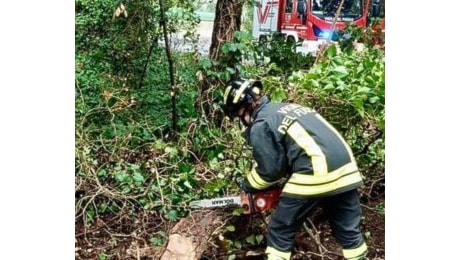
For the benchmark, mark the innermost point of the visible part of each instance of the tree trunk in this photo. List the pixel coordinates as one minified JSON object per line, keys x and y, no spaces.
{"x":189,"y":238}
{"x":226,"y":22}
{"x":171,"y":71}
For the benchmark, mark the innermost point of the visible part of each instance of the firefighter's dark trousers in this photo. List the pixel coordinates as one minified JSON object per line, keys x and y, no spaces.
{"x":342,"y":210}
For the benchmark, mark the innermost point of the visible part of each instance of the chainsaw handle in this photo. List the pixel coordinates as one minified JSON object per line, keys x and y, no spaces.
{"x":261,"y":201}
{"x":251,"y":207}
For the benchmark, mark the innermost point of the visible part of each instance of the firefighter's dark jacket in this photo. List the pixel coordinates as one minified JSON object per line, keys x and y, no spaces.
{"x":293,"y":141}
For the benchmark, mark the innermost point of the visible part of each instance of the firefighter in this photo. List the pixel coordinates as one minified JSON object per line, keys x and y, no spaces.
{"x":295,"y":142}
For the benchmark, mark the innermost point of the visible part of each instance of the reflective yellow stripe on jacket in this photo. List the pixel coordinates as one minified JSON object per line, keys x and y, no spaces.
{"x":304,"y":140}
{"x":303,"y":184}
{"x":321,"y":181}
{"x":256,"y":181}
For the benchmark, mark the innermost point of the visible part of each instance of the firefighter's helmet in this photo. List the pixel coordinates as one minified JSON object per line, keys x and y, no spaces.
{"x":240,"y":92}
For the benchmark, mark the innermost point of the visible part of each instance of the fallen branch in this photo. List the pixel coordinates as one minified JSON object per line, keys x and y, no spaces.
{"x":322,"y":249}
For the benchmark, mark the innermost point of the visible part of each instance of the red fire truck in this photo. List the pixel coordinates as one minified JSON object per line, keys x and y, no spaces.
{"x":311,"y":21}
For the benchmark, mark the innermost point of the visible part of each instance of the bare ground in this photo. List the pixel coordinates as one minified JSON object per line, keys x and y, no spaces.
{"x":130,"y":237}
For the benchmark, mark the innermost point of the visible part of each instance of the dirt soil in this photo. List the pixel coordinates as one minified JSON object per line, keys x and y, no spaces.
{"x":319,"y":244}
{"x":129,"y":237}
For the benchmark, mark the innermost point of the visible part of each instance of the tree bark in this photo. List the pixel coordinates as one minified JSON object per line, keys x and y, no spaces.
{"x":226,"y":22}
{"x":171,"y":71}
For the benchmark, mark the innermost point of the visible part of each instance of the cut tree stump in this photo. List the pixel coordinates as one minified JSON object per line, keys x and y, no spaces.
{"x":188,"y":239}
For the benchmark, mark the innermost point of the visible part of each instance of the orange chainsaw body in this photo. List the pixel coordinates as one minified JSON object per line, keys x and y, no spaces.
{"x":260,"y":202}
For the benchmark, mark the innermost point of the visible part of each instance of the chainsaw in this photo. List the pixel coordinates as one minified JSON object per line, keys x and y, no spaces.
{"x":250,"y":202}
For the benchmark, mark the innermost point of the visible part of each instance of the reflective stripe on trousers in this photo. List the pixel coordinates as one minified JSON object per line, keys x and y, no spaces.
{"x":274,"y":254}
{"x":355,"y":253}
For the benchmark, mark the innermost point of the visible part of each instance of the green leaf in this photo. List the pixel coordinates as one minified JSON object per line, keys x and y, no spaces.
{"x":238,"y":34}
{"x":220,"y":156}
{"x":103,"y":207}
{"x":89,"y":216}
{"x":363,"y":90}
{"x":367,"y":234}
{"x":172,"y":151}
{"x":138,"y":177}
{"x":331,"y":51}
{"x":266,"y":60}
{"x":159,"y":144}
{"x":314,"y":83}
{"x":187,"y":184}
{"x":156,"y":241}
{"x":183,"y":167}
{"x":126,"y":190}
{"x":102,"y":173}
{"x":227,"y":243}
{"x":358,"y":103}
{"x":206,"y":64}
{"x":240,"y":46}
{"x":259,"y":238}
{"x":370,"y":80}
{"x":341,"y":70}
{"x":175,"y":198}
{"x":173,"y":215}
{"x":214,"y":186}
{"x":250,"y":239}
{"x":372,"y":100}
{"x":230,"y":228}
{"x":369,"y":64}
{"x":313,"y":76}
{"x":119,"y":177}
{"x":278,"y":95}
{"x":231,"y":70}
{"x":329,"y":86}
{"x":226,"y":48}
{"x":238,"y":212}
{"x":337,"y":61}
{"x":102,"y":256}
{"x":237,"y":244}
{"x":233,"y":47}
{"x":134,"y":167}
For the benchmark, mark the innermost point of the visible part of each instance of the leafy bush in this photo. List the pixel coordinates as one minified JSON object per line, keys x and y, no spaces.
{"x":348,"y":89}
{"x":120,"y":121}
{"x":274,"y":52}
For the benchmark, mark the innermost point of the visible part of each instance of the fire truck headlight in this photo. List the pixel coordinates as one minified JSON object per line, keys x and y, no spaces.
{"x":324,"y":34}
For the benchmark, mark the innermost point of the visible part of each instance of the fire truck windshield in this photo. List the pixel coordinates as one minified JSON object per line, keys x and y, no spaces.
{"x":326,"y":9}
